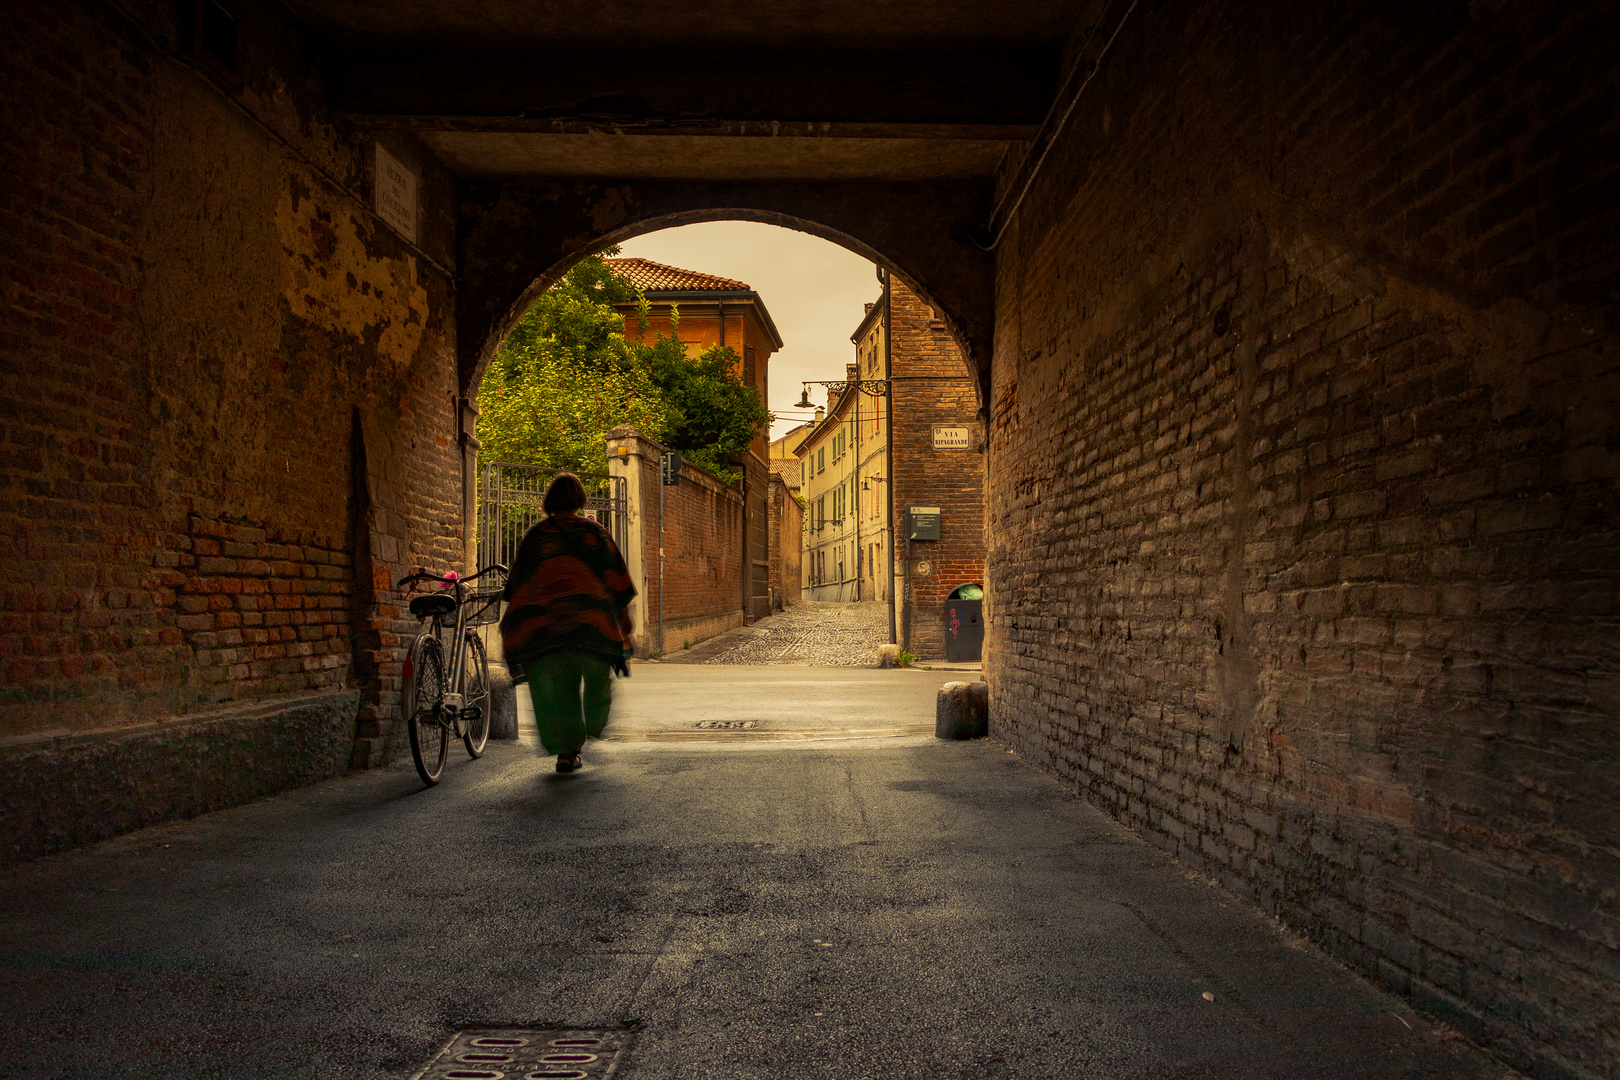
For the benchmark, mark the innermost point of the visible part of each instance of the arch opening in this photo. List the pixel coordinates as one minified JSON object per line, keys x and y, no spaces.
{"x":850,"y":539}
{"x":520,"y":237}
{"x":554,"y":272}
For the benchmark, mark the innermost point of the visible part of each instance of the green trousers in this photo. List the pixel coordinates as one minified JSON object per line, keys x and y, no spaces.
{"x":564,"y":716}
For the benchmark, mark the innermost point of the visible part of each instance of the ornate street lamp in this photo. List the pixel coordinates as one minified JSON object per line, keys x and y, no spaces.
{"x":835,"y":387}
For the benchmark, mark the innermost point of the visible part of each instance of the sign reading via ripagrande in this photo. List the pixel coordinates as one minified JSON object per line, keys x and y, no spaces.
{"x":951,"y":438}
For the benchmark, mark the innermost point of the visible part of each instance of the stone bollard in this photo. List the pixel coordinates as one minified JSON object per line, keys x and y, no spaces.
{"x":503,"y":720}
{"x":962,"y":711}
{"x":888,"y":656}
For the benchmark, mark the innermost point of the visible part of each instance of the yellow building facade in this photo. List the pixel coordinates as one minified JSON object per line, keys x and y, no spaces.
{"x":843,"y":469}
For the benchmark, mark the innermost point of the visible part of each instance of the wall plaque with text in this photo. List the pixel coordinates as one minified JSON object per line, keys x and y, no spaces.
{"x":396,"y":194}
{"x":952,"y":438}
{"x":923,"y":522}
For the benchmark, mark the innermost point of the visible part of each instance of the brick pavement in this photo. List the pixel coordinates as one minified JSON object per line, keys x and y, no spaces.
{"x":811,"y":633}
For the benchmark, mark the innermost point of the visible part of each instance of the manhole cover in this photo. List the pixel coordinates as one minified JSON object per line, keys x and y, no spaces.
{"x":528,"y":1054}
{"x":726,"y":725}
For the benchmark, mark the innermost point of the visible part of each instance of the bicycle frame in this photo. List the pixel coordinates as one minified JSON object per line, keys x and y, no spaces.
{"x":448,"y":711}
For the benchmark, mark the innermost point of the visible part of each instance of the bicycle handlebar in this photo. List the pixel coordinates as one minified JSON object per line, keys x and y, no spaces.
{"x":422,"y":575}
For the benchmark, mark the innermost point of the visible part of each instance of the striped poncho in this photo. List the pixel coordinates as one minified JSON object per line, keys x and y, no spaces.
{"x":566,"y":590}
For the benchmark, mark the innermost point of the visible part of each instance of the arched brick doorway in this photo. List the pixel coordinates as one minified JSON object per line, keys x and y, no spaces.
{"x":527,"y":250}
{"x":519,"y":238}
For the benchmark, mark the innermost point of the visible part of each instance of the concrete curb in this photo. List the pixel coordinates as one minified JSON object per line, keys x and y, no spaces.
{"x":77,"y":791}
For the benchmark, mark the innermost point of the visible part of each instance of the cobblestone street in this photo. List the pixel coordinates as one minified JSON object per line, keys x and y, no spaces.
{"x":810,"y":633}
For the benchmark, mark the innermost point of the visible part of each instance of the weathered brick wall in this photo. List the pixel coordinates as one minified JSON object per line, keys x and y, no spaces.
{"x":787,"y":542}
{"x":703,"y":546}
{"x":757,"y":549}
{"x":206,"y":330}
{"x":1304,"y":484}
{"x":933,"y":386}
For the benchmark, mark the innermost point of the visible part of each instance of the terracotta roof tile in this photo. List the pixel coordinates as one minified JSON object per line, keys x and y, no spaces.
{"x":649,"y":276}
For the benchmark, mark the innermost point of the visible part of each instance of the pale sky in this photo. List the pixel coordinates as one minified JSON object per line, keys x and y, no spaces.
{"x":815,"y":291}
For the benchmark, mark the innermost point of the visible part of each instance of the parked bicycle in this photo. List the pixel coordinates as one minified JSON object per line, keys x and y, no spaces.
{"x":447,"y":696}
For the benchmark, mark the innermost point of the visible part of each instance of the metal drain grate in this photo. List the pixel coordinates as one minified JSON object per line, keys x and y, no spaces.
{"x":529,"y":1054}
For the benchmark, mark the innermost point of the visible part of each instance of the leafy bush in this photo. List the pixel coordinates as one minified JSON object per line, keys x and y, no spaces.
{"x":566,"y":375}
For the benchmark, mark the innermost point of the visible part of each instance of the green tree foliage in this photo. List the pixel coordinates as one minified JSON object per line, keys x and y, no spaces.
{"x":557,"y":412}
{"x":566,"y":375}
{"x":713,"y":416}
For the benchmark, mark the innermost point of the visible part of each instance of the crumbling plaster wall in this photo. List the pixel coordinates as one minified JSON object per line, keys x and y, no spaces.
{"x":1303,"y":485}
{"x":206,"y":330}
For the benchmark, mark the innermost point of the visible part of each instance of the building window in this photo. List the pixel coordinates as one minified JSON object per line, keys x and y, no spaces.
{"x":821,"y":459}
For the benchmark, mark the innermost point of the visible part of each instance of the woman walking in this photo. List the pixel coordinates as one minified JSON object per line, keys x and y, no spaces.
{"x":567,"y":621}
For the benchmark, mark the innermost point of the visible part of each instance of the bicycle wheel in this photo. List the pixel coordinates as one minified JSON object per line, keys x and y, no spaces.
{"x":425,"y":717}
{"x":476,"y":701}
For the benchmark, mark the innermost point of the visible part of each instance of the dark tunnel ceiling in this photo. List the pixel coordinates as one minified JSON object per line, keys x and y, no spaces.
{"x":612,"y":26}
{"x":873,"y":90}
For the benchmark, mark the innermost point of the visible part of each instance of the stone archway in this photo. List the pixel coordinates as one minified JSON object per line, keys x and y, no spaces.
{"x":519,"y":237}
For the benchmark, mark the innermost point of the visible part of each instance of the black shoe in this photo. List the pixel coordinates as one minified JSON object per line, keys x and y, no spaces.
{"x":569,"y":762}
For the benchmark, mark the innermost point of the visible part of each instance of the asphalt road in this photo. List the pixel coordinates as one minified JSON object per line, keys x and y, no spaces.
{"x":829,"y":893}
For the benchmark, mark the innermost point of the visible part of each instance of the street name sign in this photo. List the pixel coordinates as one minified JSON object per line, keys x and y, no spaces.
{"x":396,"y":194}
{"x":952,"y":438}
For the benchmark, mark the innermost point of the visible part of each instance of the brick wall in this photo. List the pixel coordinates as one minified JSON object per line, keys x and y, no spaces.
{"x":933,"y":386}
{"x":225,"y":386}
{"x":786,"y":546}
{"x":756,"y":500}
{"x":1304,"y":485}
{"x":703,"y":548}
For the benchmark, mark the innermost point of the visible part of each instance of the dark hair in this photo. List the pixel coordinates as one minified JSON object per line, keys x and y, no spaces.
{"x":565,"y":493}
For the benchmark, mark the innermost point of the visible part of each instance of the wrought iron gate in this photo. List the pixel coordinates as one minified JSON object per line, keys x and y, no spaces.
{"x":509,"y":498}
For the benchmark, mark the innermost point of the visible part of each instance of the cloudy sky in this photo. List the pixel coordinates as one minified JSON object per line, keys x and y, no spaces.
{"x":815,"y":291}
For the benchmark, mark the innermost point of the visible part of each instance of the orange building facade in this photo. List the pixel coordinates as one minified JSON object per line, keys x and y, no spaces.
{"x":704,"y":310}
{"x":712,"y":311}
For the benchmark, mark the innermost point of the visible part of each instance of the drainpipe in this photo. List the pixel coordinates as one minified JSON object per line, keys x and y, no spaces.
{"x":466,"y":424}
{"x":855,"y":471}
{"x":747,"y":555}
{"x":888,"y":373}
{"x":661,"y":652}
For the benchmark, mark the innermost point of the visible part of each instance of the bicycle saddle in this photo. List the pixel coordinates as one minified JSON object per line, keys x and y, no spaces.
{"x":431,"y":604}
